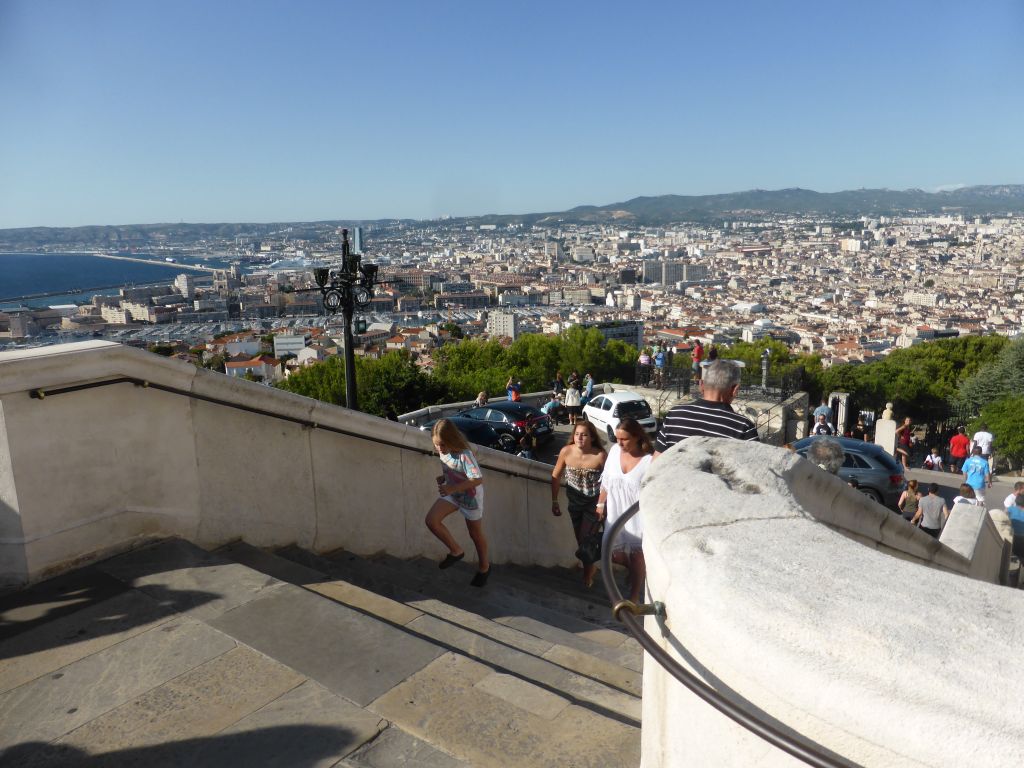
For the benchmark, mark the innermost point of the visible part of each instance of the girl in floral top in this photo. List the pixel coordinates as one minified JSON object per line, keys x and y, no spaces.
{"x":460,"y":488}
{"x":581,"y":461}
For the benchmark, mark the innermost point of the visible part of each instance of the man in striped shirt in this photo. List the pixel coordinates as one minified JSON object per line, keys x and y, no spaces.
{"x":711,"y":414}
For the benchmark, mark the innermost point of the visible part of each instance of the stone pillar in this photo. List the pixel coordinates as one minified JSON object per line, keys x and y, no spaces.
{"x":840,"y":402}
{"x":885,"y":430}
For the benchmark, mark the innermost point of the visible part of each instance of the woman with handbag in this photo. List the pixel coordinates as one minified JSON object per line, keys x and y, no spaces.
{"x":581,"y":461}
{"x":627,"y":463}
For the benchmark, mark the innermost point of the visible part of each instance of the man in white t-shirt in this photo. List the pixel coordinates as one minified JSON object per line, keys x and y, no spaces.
{"x":983,"y":439}
{"x":1010,"y":500}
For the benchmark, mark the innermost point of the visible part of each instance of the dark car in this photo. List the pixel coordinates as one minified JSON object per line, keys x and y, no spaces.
{"x":512,"y":418}
{"x":878,"y":474}
{"x":480,"y":433}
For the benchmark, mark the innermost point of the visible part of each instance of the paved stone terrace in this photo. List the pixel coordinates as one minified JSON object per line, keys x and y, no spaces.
{"x":170,"y":655}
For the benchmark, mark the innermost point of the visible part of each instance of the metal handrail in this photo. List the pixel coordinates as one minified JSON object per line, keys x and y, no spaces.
{"x":40,"y":394}
{"x":626,"y":612}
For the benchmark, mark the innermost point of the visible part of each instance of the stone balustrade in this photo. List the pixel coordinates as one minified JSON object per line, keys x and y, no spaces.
{"x":90,"y":472}
{"x":806,"y":603}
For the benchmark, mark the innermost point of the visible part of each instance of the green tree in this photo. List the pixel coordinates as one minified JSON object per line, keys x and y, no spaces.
{"x":394,"y":385}
{"x":214,"y":363}
{"x":533,"y":359}
{"x":454,"y":329}
{"x":390,"y":386}
{"x":1005,"y":419}
{"x":1002,"y":376}
{"x":619,"y":363}
{"x":321,"y":381}
{"x":165,"y":350}
{"x":466,"y":368}
{"x":585,"y":350}
{"x":919,"y":380}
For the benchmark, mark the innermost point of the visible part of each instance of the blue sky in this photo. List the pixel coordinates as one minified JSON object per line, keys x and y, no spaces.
{"x":118,"y":112}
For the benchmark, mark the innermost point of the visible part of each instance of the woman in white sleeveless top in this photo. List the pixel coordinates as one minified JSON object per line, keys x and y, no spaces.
{"x":624,"y":470}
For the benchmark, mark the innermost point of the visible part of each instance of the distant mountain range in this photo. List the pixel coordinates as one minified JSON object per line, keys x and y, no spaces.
{"x":998,"y":199}
{"x":987,"y":200}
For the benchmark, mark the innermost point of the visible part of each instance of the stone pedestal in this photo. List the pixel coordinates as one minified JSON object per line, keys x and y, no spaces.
{"x":885,"y":434}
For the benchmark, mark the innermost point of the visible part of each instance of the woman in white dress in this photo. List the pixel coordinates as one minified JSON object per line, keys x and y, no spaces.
{"x":624,"y":470}
{"x":572,"y":401}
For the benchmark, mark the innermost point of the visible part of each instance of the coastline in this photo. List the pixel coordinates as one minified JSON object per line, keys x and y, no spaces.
{"x":75,"y":276}
{"x":171,"y":264}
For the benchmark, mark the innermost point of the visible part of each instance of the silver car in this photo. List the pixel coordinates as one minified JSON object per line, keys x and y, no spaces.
{"x":877,"y":473}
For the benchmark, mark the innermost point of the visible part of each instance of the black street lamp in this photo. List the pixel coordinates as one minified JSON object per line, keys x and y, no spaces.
{"x":346,"y":290}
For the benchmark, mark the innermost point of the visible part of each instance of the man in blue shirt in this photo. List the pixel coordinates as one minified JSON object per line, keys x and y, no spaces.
{"x":1016,"y":514}
{"x":588,"y":389}
{"x":512,"y":389}
{"x":976,"y":474}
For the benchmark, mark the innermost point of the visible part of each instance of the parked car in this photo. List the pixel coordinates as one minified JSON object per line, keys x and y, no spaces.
{"x":606,"y":410}
{"x":511,"y":418}
{"x":878,"y":474}
{"x":480,"y":433}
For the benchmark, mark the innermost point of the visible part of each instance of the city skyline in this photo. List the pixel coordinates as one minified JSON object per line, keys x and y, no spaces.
{"x":125,"y":114}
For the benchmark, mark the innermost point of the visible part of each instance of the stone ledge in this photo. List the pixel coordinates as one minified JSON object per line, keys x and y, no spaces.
{"x":838,"y":641}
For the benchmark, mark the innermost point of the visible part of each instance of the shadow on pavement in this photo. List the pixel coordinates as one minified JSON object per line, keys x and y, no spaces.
{"x":292,"y":746}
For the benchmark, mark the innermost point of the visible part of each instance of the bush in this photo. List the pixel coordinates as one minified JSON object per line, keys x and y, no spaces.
{"x":1005,"y":420}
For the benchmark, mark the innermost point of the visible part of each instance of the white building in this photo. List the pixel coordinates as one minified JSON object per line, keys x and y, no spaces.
{"x":186,"y":285}
{"x":503,"y":324}
{"x":290,"y":344}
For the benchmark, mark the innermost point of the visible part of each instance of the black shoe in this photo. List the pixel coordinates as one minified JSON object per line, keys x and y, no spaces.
{"x":481,"y":578}
{"x":450,"y":560}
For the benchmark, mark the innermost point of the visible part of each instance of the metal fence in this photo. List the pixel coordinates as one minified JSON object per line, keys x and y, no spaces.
{"x":753,"y":381}
{"x":675,"y":378}
{"x":771,"y":386}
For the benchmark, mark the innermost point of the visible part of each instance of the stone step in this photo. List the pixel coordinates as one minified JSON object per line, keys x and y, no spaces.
{"x":101,"y":673}
{"x":348,"y":652}
{"x":504,"y":604}
{"x":589,"y":616}
{"x":563,"y":670}
{"x":569,"y":582}
{"x":497,"y":720}
{"x":284,"y":634}
{"x":366,"y":572}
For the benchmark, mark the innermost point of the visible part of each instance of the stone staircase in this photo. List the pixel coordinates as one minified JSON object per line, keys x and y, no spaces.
{"x":173,"y":655}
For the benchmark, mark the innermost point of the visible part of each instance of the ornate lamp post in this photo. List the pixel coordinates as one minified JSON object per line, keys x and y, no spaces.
{"x":346,"y":290}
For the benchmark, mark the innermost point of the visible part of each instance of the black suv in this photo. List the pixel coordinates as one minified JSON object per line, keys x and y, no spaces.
{"x":512,"y":418}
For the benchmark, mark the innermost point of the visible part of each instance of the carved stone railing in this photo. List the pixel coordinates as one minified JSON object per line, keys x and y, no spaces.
{"x":821,"y":613}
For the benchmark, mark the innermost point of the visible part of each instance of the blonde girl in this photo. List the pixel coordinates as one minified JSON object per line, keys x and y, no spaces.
{"x":460,"y":488}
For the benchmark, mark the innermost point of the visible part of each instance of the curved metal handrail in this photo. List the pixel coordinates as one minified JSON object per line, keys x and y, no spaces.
{"x":41,"y":394}
{"x":626,"y":612}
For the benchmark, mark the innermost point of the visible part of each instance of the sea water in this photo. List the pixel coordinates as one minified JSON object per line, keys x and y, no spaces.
{"x":24,"y":274}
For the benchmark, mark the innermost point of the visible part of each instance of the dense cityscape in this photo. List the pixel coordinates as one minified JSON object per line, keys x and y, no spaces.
{"x":848,"y":291}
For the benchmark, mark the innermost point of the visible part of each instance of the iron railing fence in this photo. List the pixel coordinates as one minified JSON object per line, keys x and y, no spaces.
{"x":774,"y":386}
{"x":674,"y":378}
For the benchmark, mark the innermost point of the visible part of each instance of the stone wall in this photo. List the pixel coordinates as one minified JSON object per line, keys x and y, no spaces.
{"x":883,"y":654}
{"x":93,"y":471}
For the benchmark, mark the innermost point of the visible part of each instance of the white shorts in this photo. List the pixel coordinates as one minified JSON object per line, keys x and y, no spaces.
{"x":470,"y":514}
